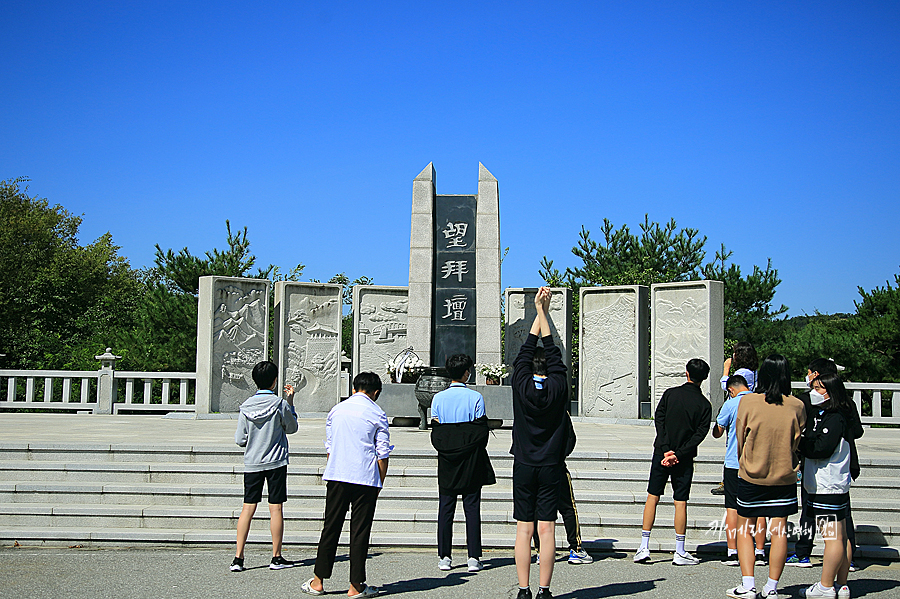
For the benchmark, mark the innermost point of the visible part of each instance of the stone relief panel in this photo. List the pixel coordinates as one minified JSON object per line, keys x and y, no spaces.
{"x":520,"y":313}
{"x":381,"y":317}
{"x":309,"y":342}
{"x":680,"y":332}
{"x":239,"y":332}
{"x":609,"y":366}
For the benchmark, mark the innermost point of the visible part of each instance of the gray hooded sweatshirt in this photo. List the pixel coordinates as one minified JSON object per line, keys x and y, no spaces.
{"x":264,"y":422}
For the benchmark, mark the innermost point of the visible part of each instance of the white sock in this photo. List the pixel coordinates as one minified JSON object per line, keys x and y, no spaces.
{"x":760,"y":552}
{"x":821,"y":588}
{"x":771,"y":585}
{"x":679,"y":544}
{"x":645,"y":539}
{"x":732,"y":552}
{"x":748,"y":583}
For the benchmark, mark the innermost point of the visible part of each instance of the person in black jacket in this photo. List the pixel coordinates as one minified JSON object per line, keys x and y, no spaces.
{"x":539,"y":439}
{"x":682,"y":421}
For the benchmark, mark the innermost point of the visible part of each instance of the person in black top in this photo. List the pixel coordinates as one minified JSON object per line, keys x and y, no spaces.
{"x":682,"y":421}
{"x":539,"y":437}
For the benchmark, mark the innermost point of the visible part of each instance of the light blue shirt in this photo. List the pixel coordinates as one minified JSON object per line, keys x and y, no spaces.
{"x":356,"y":437}
{"x":725,"y":419}
{"x":457,"y":403}
{"x":749,"y":376}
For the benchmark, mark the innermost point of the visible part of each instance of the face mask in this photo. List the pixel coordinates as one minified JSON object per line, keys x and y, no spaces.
{"x":816,"y":398}
{"x":808,"y":378}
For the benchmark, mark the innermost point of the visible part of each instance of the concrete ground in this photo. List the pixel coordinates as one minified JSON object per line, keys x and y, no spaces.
{"x":161,"y":573}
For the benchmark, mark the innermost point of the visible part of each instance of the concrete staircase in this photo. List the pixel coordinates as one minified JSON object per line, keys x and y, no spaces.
{"x":81,"y":494}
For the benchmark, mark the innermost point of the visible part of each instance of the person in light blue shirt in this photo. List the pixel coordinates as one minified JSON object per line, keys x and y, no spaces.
{"x":737,"y":387}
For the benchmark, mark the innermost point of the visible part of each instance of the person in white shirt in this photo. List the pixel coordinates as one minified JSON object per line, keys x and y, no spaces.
{"x":357,"y":442}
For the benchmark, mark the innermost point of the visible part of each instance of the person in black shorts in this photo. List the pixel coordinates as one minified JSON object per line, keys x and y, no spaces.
{"x":264,"y":421}
{"x":682,"y":422}
{"x":539,"y":439}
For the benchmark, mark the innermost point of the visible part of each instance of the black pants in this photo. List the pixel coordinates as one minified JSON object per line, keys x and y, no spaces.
{"x":803,"y":546}
{"x":569,"y":512}
{"x":446,"y":512}
{"x":338,"y":498}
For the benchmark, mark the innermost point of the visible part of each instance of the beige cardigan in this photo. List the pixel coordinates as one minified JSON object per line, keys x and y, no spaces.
{"x":767,"y":439}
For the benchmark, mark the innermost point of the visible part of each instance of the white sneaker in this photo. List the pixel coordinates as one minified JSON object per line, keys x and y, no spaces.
{"x":740,"y":592}
{"x":844,"y":592}
{"x":475,"y":564}
{"x":816,"y":591}
{"x":684,"y":559}
{"x":642,"y":555}
{"x":445,"y":563}
{"x":731,"y":560}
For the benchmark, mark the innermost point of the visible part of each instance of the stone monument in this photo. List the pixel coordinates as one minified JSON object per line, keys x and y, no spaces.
{"x":520,"y":313}
{"x":614,"y":347}
{"x":688,"y":322}
{"x":380,"y":316}
{"x":454,"y":271}
{"x":308,"y":342}
{"x":232,"y":336}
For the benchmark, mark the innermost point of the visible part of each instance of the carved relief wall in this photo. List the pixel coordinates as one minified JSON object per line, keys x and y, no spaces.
{"x":688,"y":322}
{"x":520,"y":313}
{"x":232,"y":331}
{"x":308,"y":342}
{"x":613,"y":374}
{"x":379,"y":327}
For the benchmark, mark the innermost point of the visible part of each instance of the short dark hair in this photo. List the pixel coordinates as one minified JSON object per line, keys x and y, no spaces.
{"x":367,"y":382}
{"x":539,"y":361}
{"x":457,"y":365}
{"x":822,"y":366}
{"x":697,"y":369}
{"x":264,"y":374}
{"x":837,"y":393}
{"x":774,"y":379}
{"x":745,"y":356}
{"x":735,"y":381}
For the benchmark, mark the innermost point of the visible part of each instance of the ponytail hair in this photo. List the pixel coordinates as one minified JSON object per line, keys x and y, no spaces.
{"x":774,"y":379}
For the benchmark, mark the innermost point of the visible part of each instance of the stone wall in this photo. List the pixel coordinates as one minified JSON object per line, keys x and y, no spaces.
{"x":613,"y":356}
{"x":232,"y":334}
{"x":308,"y":342}
{"x":379,"y":327}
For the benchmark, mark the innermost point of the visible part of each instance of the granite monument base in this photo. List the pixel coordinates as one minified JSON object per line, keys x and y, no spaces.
{"x":399,"y":399}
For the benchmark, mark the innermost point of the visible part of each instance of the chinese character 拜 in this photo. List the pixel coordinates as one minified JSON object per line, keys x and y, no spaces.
{"x":455,"y":307}
{"x":455,"y":267}
{"x":454,"y":234}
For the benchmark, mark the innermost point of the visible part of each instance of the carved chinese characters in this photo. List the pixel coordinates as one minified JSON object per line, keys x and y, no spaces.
{"x":232,"y":330}
{"x":379,"y":327}
{"x":308,"y":342}
{"x":613,"y":351}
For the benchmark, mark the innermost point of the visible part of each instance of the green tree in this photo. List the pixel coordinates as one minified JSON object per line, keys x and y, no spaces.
{"x":347,"y":297}
{"x":62,"y":302}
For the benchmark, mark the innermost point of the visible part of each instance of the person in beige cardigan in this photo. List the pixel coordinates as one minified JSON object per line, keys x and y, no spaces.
{"x":769,"y":424}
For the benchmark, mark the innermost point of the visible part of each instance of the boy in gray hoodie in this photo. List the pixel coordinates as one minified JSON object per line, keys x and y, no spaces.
{"x":264,"y":422}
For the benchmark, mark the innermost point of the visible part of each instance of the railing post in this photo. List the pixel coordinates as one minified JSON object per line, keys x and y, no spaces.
{"x":106,"y":383}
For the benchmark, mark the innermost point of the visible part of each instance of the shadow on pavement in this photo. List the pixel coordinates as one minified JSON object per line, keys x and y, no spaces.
{"x":616,"y":589}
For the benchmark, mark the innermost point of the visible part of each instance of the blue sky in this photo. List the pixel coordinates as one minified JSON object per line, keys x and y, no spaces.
{"x":770,"y":126}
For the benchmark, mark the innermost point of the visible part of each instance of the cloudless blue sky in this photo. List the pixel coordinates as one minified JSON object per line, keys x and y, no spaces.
{"x":770,"y":126}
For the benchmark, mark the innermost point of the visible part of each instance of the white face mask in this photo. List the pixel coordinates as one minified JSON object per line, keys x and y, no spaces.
{"x":816,"y":398}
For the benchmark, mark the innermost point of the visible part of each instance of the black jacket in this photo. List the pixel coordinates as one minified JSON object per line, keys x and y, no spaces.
{"x":853,"y":431}
{"x":682,"y":420}
{"x":540,"y":429}
{"x":463,"y":462}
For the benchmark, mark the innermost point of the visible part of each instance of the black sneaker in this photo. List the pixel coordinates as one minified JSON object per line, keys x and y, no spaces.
{"x":543,"y":594}
{"x":237,"y":565}
{"x":524,"y":594}
{"x":279,"y":563}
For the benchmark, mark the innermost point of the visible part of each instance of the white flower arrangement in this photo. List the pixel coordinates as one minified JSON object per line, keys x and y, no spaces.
{"x":404,"y":364}
{"x":493,"y":371}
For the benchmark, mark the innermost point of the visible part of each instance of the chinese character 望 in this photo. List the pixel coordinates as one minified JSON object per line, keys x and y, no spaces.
{"x":454,"y":234}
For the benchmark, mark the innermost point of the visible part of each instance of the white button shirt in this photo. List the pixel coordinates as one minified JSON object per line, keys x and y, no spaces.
{"x":356,"y":437}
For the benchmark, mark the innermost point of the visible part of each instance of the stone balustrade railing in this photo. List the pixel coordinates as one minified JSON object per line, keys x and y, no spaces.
{"x":872,"y":409}
{"x":145,"y":400}
{"x":57,"y":392}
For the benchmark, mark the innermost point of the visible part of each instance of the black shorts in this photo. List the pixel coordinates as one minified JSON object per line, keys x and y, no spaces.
{"x":276,"y":481}
{"x":760,"y":500}
{"x":681,"y":474}
{"x":834,"y":506}
{"x":535,"y":492}
{"x":730,"y":478}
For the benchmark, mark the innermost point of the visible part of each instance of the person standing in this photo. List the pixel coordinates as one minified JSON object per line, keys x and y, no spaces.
{"x":682,"y":420}
{"x":357,"y":442}
{"x":769,"y":424}
{"x":460,"y":433}
{"x":539,"y":439}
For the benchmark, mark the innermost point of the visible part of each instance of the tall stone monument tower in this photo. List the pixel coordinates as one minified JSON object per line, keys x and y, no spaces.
{"x":454,"y":271}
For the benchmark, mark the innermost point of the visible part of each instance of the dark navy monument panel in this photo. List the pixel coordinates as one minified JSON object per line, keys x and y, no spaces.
{"x":454,"y":277}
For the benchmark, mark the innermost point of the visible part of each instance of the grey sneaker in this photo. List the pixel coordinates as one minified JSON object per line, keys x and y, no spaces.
{"x":642,"y":555}
{"x":445,"y":563}
{"x":684,"y":559}
{"x":475,"y":564}
{"x":580,"y":556}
